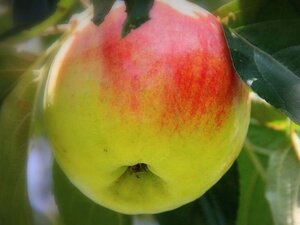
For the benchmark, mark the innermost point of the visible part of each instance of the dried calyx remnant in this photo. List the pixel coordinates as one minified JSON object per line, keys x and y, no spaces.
{"x":137,"y":168}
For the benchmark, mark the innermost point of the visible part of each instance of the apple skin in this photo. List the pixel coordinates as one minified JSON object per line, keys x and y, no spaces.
{"x":150,"y":122}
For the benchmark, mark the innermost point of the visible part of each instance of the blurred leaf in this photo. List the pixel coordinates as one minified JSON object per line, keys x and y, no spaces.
{"x":266,"y":114}
{"x":76,"y":209}
{"x":218,"y":206}
{"x":210,"y":4}
{"x":6,"y":20}
{"x":137,"y":14}
{"x":12,"y":65}
{"x":253,"y":208}
{"x":220,"y":203}
{"x":262,"y":10}
{"x":270,"y":66}
{"x":15,"y":116}
{"x":296,"y":5}
{"x":283,"y":187}
{"x":29,"y":12}
{"x":101,"y":8}
{"x":261,"y":142}
{"x":187,"y":214}
{"x":16,"y":35}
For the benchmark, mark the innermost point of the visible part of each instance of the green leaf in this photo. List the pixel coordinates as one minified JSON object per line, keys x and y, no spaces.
{"x":220,"y":203}
{"x":62,"y":9}
{"x":262,"y":10}
{"x":210,"y":4}
{"x":267,"y":115}
{"x":76,"y":208}
{"x":263,"y":38}
{"x":137,"y":14}
{"x":253,"y":207}
{"x":270,"y":66}
{"x":101,"y":8}
{"x":15,"y":118}
{"x":17,"y":114}
{"x":5,"y":16}
{"x":26,"y":14}
{"x":188,"y":214}
{"x":253,"y":160}
{"x":283,"y":187}
{"x":12,"y":65}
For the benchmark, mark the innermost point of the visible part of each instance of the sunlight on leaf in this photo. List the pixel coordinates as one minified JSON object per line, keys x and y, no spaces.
{"x":230,"y":14}
{"x":295,"y":142}
{"x":267,"y":115}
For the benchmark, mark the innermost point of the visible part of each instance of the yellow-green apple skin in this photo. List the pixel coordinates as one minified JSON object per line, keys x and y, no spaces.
{"x":149,"y":122}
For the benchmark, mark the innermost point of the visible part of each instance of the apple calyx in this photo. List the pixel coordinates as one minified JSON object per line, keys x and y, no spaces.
{"x":139,"y":167}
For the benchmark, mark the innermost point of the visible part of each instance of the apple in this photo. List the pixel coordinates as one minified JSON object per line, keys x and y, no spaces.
{"x":149,"y":122}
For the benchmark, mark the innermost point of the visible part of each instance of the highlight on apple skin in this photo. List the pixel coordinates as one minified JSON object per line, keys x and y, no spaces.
{"x":146,"y":123}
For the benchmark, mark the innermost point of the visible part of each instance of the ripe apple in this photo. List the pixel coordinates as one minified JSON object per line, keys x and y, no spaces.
{"x":149,"y":122}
